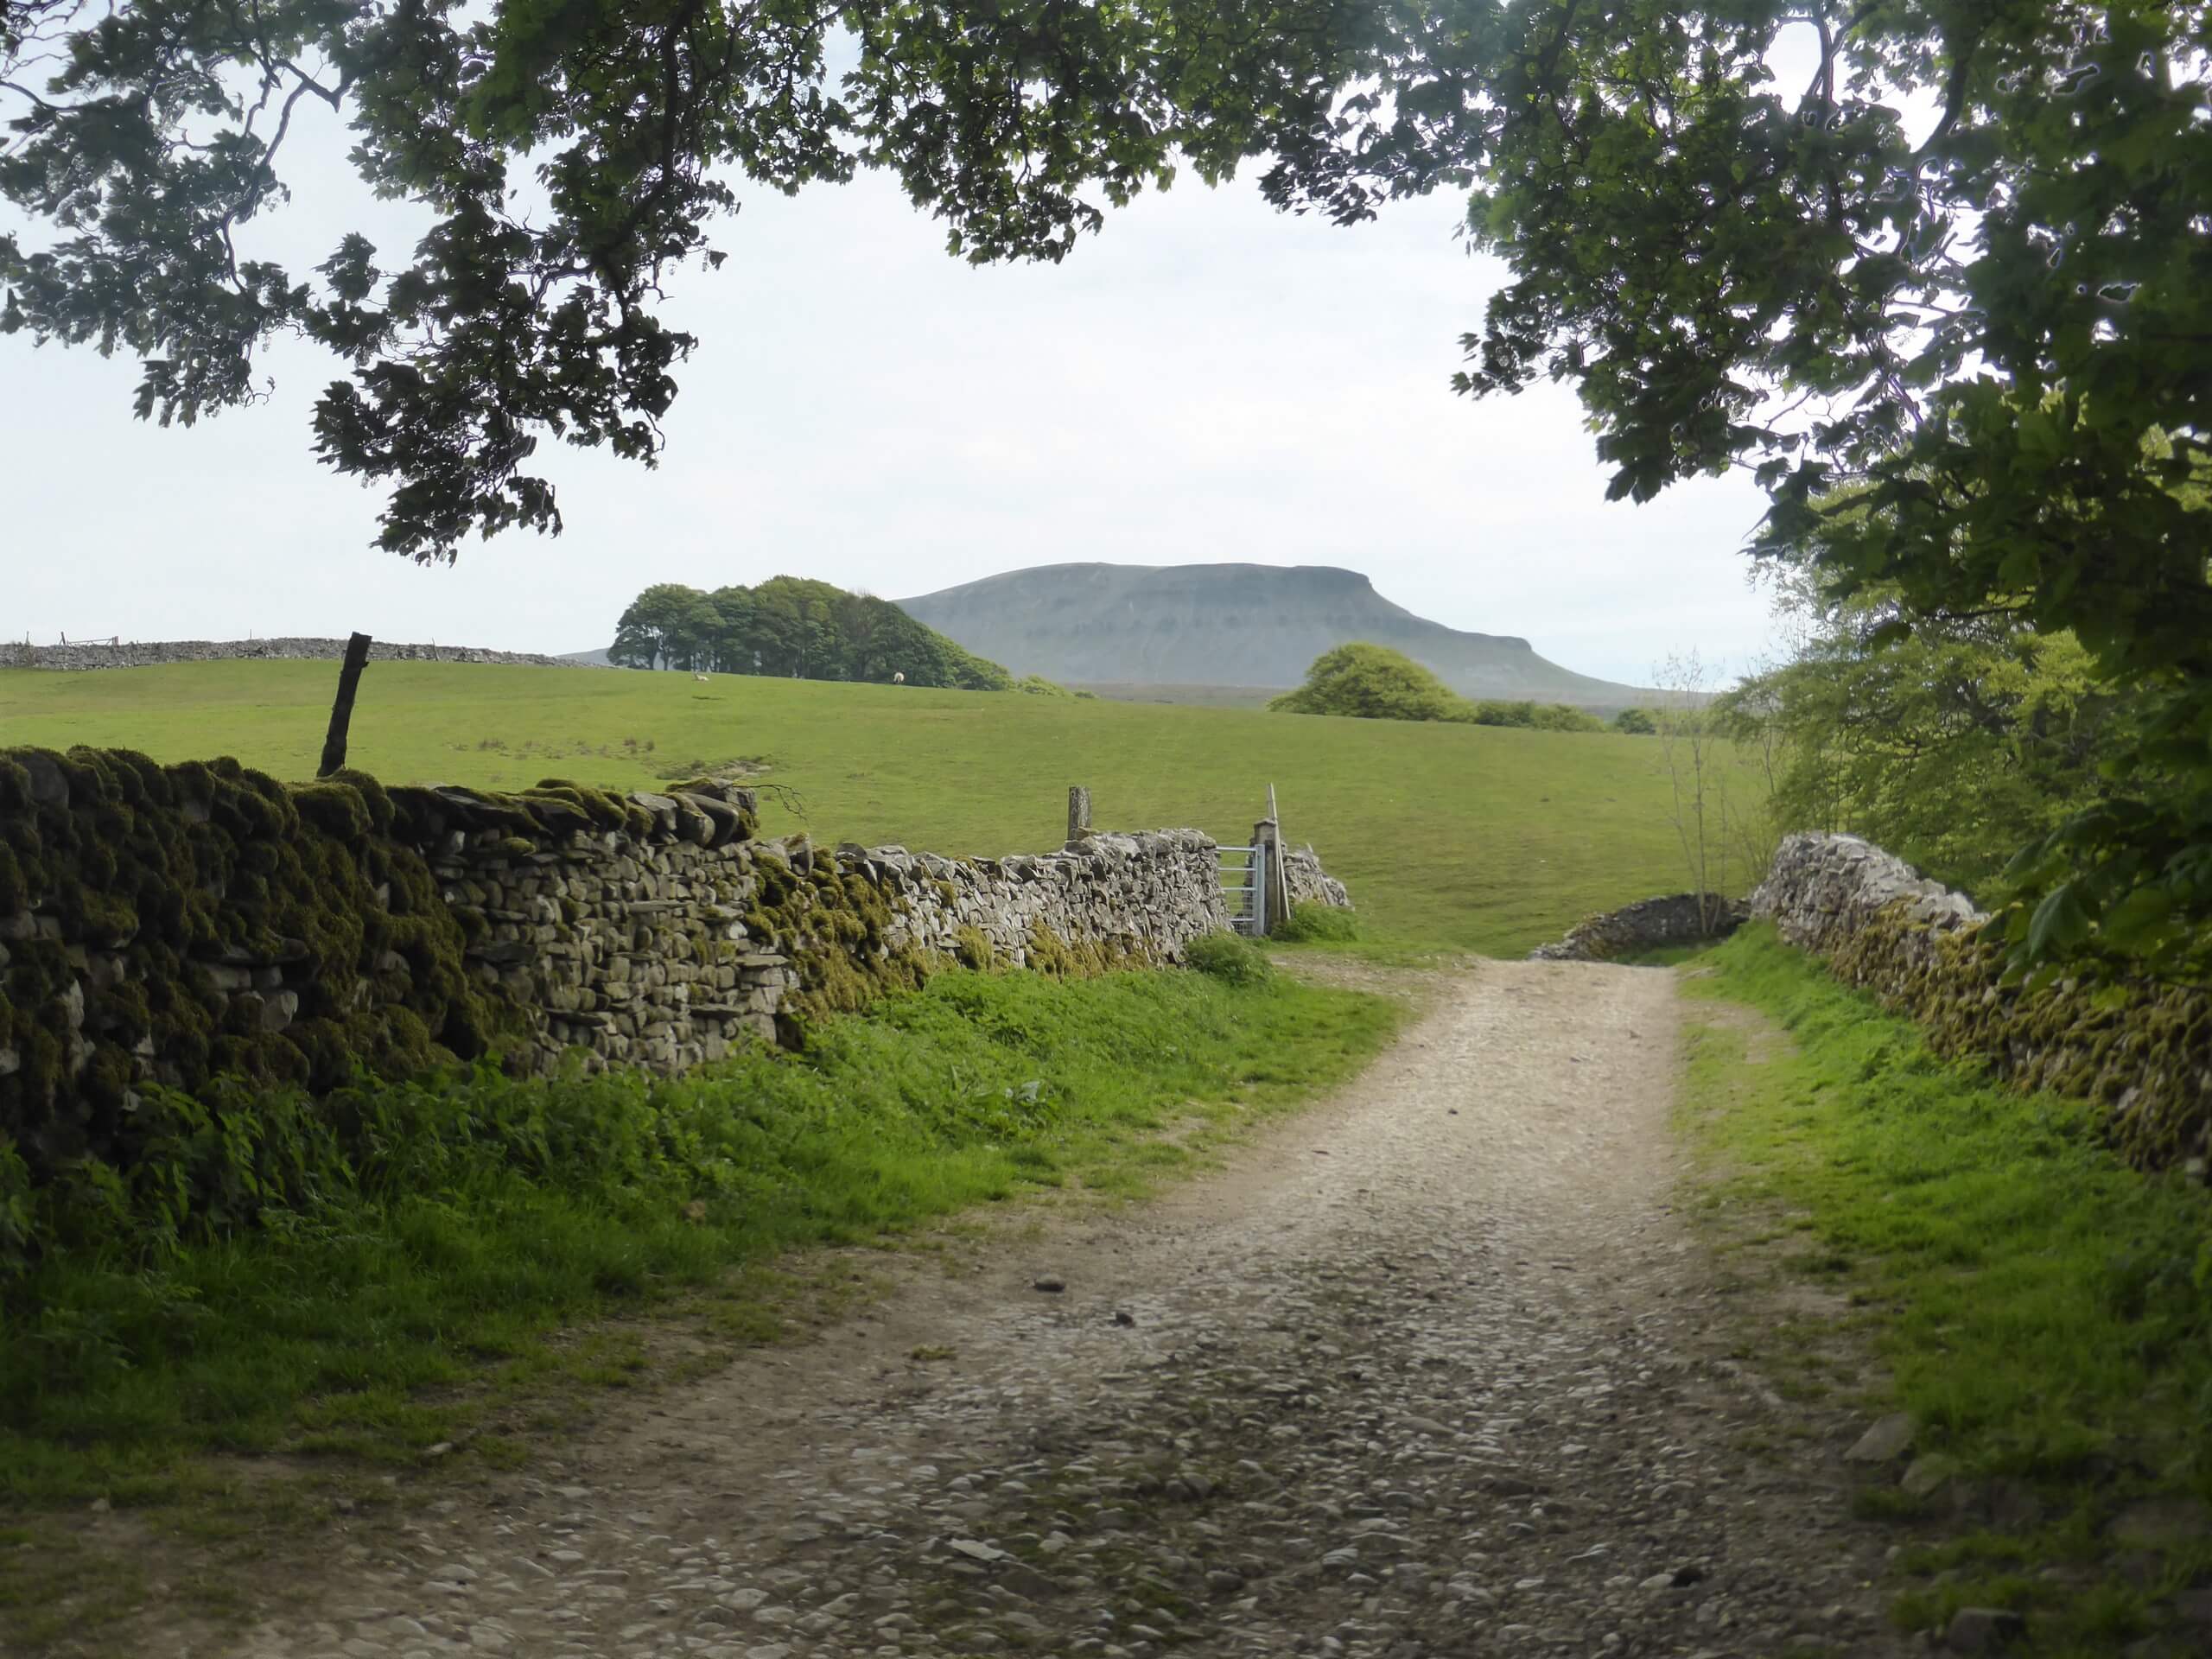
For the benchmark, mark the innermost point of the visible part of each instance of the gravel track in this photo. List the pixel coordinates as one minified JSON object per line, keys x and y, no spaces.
{"x":1429,"y":1371}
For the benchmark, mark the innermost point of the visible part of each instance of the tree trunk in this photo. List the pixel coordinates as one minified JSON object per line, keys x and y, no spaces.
{"x":341,"y":711}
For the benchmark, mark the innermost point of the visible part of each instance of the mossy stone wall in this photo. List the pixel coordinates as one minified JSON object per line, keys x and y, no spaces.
{"x":1646,"y":924}
{"x":169,"y":924}
{"x":2141,"y":1050}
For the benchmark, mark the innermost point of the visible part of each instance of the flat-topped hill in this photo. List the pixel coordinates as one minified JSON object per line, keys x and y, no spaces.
{"x":1227,"y":625}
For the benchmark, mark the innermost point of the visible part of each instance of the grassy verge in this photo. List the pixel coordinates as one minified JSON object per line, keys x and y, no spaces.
{"x":385,"y":1320}
{"x":2041,"y":1308}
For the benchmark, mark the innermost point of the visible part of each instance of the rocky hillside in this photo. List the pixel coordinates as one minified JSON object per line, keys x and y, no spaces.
{"x":1227,"y":625}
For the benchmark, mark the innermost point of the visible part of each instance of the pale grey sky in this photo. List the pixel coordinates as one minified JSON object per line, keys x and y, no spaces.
{"x":1205,"y":380}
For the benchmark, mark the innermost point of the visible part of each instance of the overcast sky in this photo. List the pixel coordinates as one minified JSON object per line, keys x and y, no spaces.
{"x":1205,"y":380}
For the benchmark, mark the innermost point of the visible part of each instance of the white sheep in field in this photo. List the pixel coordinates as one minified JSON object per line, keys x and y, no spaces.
{"x":898,"y":679}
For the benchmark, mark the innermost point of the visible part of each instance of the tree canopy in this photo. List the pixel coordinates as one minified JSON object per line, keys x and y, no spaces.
{"x":798,"y":628}
{"x":570,"y":156}
{"x":1948,"y":746}
{"x":1948,"y":291}
{"x":1371,"y":682}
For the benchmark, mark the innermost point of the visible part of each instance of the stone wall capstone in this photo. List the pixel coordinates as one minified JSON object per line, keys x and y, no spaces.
{"x":150,"y":653}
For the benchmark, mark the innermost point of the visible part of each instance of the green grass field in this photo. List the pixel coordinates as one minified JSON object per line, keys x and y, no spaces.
{"x":1450,"y":837}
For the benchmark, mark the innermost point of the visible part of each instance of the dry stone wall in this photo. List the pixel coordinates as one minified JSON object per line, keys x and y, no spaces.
{"x":174,"y":925}
{"x":150,"y":653}
{"x":2141,"y":1050}
{"x":1310,"y":883}
{"x":1648,"y":925}
{"x":1823,"y":891}
{"x":663,"y":950}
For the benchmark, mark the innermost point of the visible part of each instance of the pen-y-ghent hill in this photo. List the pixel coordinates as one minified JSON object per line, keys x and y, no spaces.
{"x":1253,"y":626}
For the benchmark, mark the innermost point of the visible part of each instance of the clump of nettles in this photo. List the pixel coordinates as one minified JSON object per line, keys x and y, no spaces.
{"x":1230,"y":957}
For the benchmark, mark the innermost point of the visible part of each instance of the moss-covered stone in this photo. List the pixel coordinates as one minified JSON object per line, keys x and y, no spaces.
{"x":972,"y":950}
{"x":218,"y":889}
{"x":2141,"y":1050}
{"x":175,"y":932}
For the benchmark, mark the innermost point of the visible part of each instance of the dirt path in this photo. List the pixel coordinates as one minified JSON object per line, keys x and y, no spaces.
{"x":1426,"y":1373}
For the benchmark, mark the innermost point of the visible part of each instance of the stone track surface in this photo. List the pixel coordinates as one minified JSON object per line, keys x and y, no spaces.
{"x":1425,"y":1373}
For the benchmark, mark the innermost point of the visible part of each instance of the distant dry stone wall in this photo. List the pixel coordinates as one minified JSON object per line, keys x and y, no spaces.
{"x":1648,"y":925}
{"x":2141,"y":1050}
{"x":149,"y":653}
{"x":175,"y":924}
{"x":661,"y":950}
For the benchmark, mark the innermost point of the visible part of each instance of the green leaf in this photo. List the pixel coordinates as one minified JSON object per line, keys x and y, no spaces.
{"x":2136,"y":918}
{"x":2061,"y":921}
{"x":1894,"y":631}
{"x":2038,"y":432}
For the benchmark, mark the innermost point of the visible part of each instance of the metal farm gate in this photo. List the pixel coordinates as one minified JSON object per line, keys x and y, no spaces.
{"x":1244,"y":888}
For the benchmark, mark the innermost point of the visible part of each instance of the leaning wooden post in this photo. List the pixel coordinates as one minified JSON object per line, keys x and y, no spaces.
{"x":1274,"y":896}
{"x":1278,"y":872}
{"x":341,"y":711}
{"x":1078,"y":812}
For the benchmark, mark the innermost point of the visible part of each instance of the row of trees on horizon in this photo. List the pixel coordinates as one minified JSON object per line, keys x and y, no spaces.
{"x":796,"y":628}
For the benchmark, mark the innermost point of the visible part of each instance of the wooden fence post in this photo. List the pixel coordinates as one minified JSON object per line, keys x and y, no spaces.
{"x":1274,"y":896}
{"x":341,"y":711}
{"x":1078,"y":811}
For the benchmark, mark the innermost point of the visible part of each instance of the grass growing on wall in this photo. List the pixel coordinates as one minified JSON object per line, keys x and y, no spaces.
{"x":1456,"y":836}
{"x":350,"y":1325}
{"x":2042,"y":1306}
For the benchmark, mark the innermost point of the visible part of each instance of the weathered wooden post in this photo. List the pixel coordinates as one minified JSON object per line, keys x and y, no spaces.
{"x":1278,"y":879}
{"x":341,"y":712}
{"x":1273,"y":897}
{"x":1078,"y":811}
